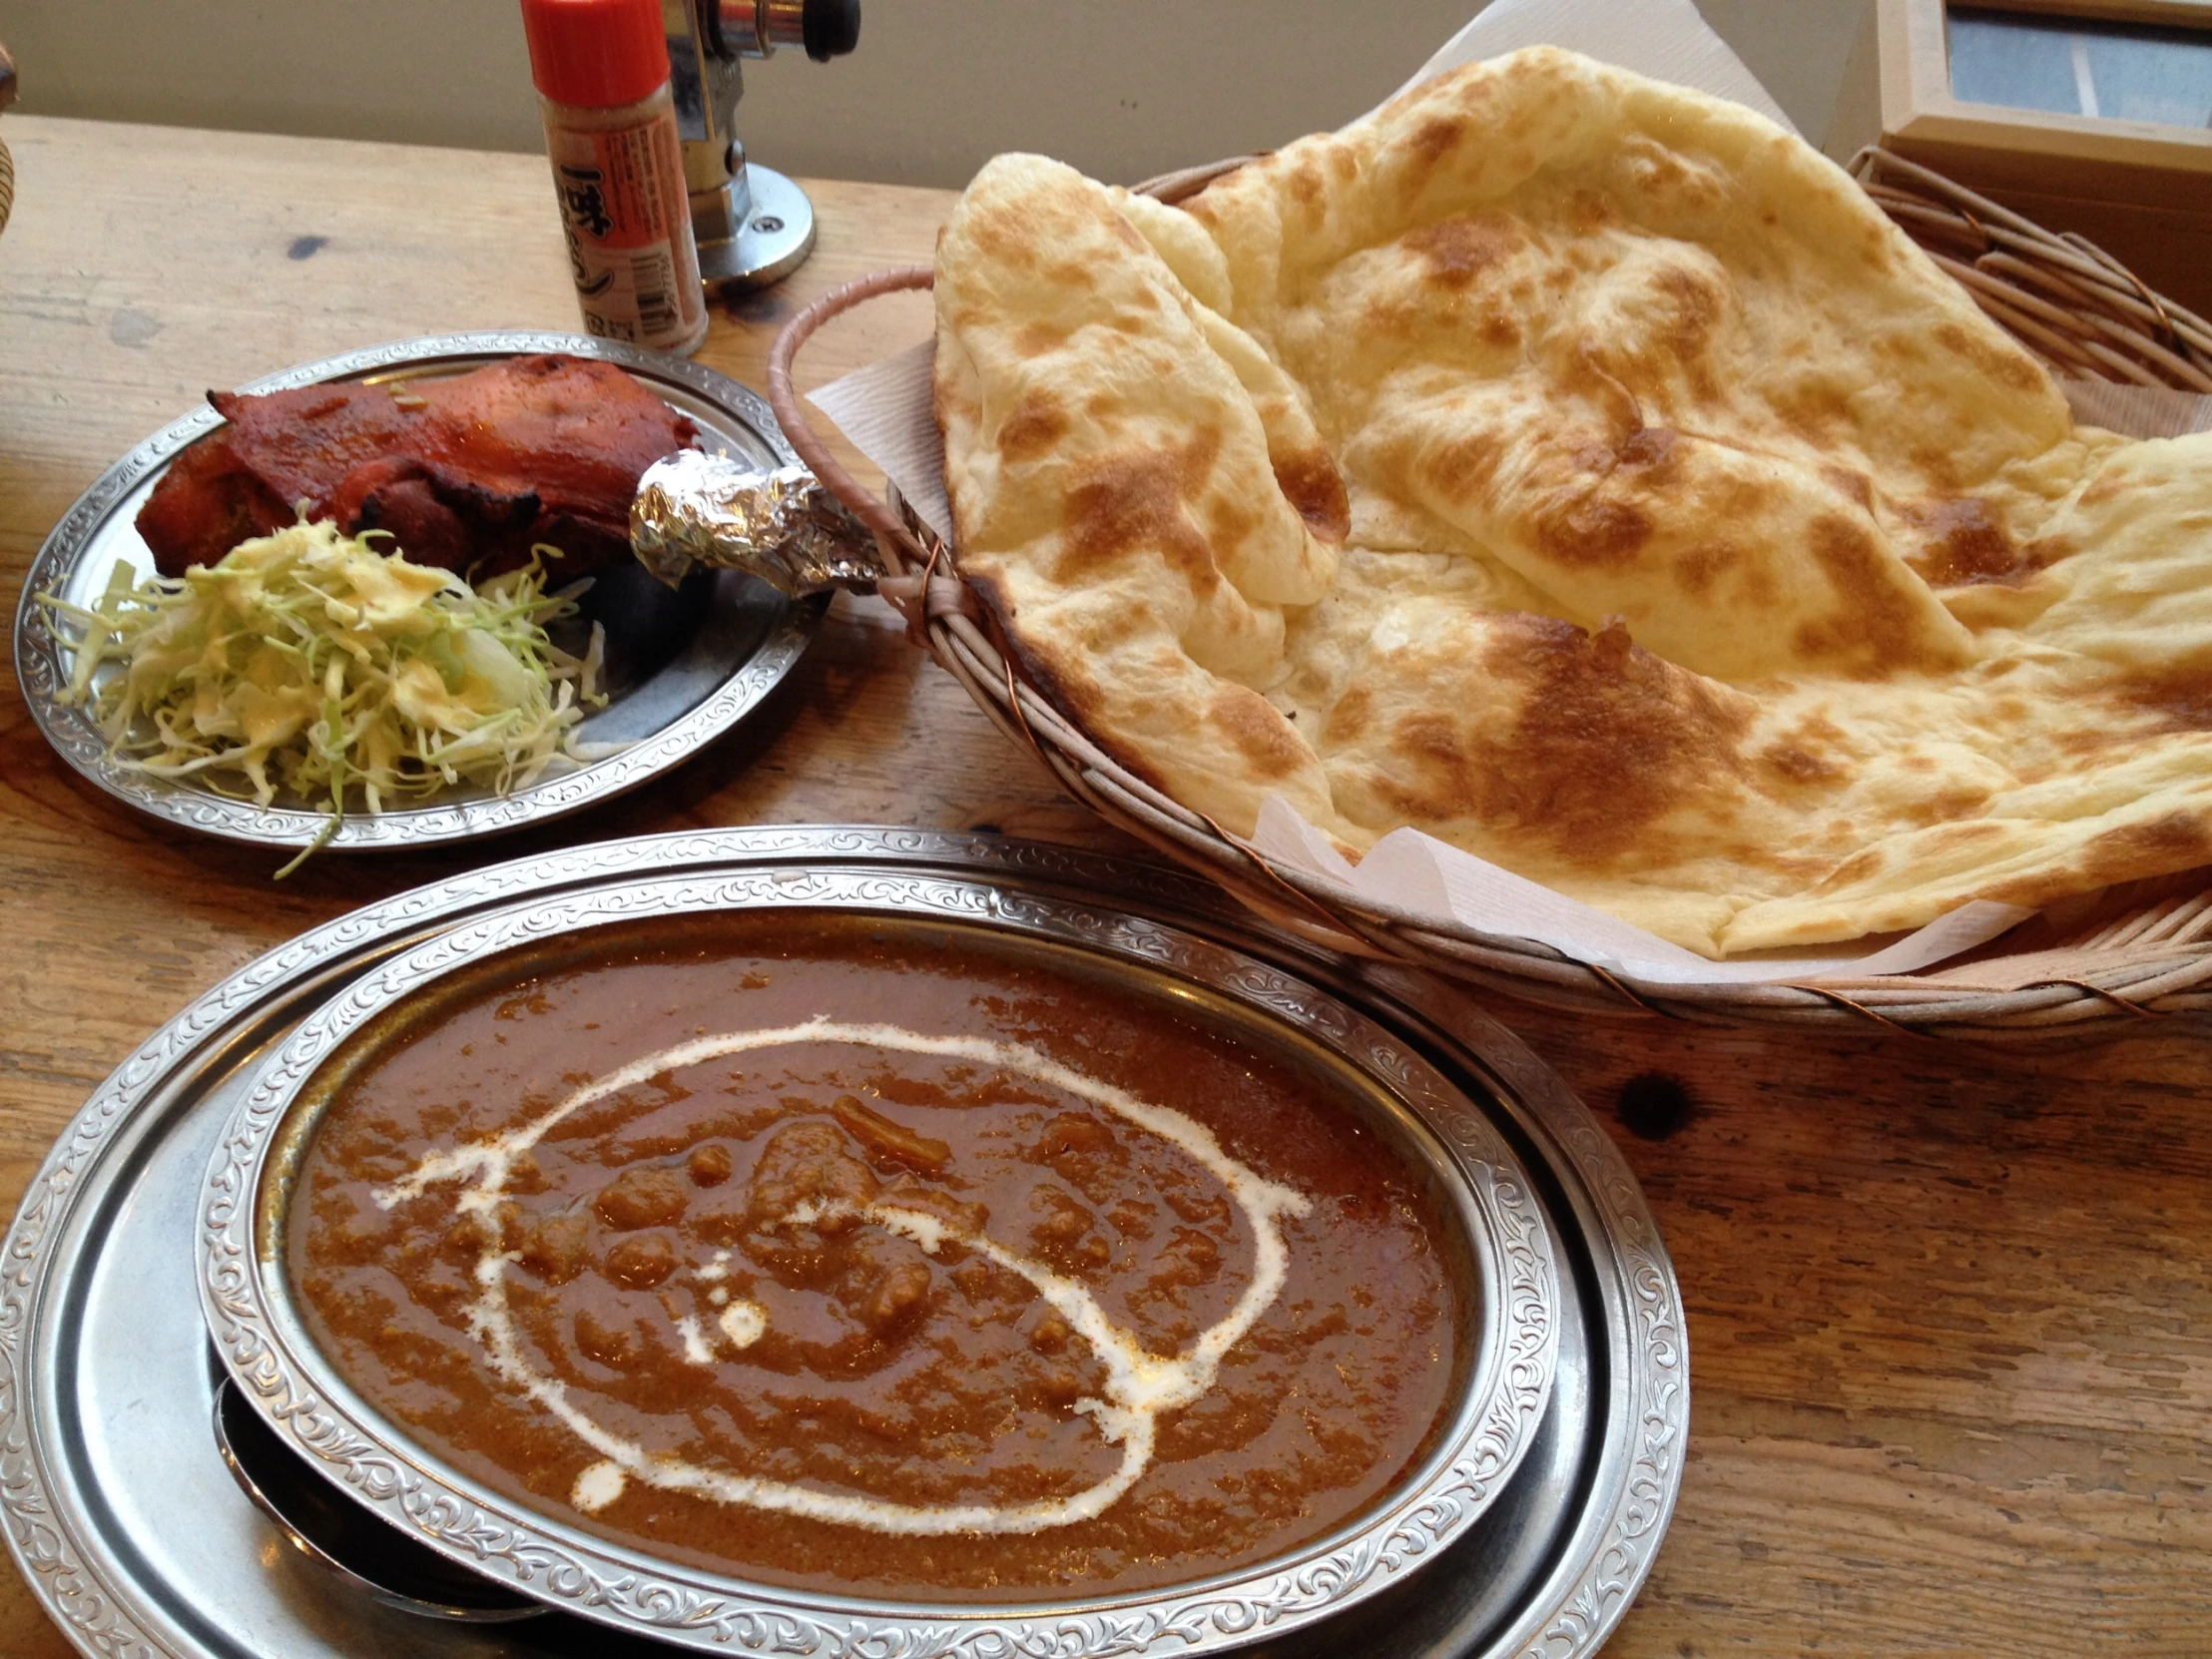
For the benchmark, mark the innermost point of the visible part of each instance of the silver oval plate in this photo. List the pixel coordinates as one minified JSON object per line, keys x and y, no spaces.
{"x":1507,"y":1373}
{"x":686,"y":668}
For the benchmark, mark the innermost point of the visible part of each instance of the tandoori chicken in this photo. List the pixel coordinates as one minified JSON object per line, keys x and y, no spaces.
{"x":468,"y":472}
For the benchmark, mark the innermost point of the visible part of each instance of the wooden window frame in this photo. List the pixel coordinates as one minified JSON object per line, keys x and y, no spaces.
{"x":1918,"y":112}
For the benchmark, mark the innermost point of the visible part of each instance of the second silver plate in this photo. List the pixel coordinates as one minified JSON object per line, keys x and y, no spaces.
{"x":685,"y":668}
{"x":133,"y":1537}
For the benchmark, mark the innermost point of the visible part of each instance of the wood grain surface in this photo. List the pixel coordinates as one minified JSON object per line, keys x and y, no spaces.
{"x":1950,"y":1314}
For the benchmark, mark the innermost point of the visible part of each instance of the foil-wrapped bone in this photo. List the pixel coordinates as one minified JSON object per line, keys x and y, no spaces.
{"x":695,"y":510}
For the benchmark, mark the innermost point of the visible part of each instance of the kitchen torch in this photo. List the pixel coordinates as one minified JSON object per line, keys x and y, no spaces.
{"x":753,"y":224}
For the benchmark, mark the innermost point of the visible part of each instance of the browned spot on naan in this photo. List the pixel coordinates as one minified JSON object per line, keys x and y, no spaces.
{"x":1311,"y":483}
{"x":2134,"y":852}
{"x":1455,"y":252}
{"x":1032,"y":426}
{"x":2173,"y":840}
{"x":2180,"y":700}
{"x":1136,"y":502}
{"x":1005,"y":237}
{"x":1593,"y":530}
{"x":1799,"y":764}
{"x":1354,"y":713}
{"x":1463,"y":468}
{"x":1258,"y":729}
{"x":2000,"y":361}
{"x":1608,"y":738}
{"x":1586,"y":212}
{"x":1661,"y":181}
{"x":1434,"y":140}
{"x":1965,"y":542}
{"x":1696,"y":570}
{"x":1603,"y":525}
{"x":1938,"y":470}
{"x":1848,"y":482}
{"x":1695,"y":304}
{"x":1079,"y":277}
{"x":1816,"y":413}
{"x":1947,"y":805}
{"x":1229,"y":521}
{"x":1036,"y":338}
{"x":1859,"y":867}
{"x":1875,"y":626}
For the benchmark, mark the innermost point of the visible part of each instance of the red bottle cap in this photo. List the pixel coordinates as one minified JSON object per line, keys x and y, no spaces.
{"x":596,"y":53}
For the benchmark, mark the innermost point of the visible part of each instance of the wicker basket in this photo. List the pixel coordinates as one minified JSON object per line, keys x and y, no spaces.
{"x":7,"y":161}
{"x":2091,"y":969}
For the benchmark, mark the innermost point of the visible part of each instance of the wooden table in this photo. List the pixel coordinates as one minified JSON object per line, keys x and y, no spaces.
{"x":1950,"y":1321}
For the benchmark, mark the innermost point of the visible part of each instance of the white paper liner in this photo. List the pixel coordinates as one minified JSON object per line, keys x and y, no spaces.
{"x":1665,"y":39}
{"x":2137,"y":411}
{"x":1413,"y":872}
{"x":887,"y":410}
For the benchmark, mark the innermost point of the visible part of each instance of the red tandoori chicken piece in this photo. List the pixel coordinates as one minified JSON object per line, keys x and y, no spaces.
{"x":467,"y":472}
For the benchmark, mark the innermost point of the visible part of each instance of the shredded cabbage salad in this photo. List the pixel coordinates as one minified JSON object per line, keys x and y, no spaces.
{"x":310,"y":663}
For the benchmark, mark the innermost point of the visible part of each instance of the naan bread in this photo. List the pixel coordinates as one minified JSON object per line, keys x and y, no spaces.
{"x":1581,"y":470}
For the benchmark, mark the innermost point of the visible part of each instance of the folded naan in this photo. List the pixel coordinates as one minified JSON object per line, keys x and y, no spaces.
{"x":1584,"y":471}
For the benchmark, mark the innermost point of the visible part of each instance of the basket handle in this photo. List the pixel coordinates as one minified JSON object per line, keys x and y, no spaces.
{"x":791,"y":411}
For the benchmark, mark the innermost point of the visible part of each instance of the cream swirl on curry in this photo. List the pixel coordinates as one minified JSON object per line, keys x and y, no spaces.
{"x":1139,"y":1384}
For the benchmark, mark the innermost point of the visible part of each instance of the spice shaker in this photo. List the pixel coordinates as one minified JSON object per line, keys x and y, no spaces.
{"x":602,"y":74}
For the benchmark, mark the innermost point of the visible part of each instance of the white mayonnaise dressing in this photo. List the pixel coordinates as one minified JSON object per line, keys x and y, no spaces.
{"x":1139,"y":1383}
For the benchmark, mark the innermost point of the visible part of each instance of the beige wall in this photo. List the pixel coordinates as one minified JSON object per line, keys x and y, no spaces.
{"x":1122,"y":90}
